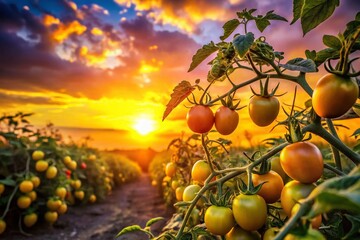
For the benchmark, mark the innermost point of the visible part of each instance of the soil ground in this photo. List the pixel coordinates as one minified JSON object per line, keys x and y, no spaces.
{"x":132,"y":203}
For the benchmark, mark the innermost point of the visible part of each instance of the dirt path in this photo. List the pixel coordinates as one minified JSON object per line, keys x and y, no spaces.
{"x":133,"y":203}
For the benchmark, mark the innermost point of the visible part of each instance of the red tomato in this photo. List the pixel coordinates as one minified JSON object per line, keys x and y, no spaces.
{"x":302,"y":161}
{"x":334,"y":95}
{"x":200,"y":119}
{"x":226,"y":120}
{"x":271,"y":189}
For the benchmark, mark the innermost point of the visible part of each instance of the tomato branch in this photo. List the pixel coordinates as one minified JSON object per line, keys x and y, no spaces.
{"x":320,"y":131}
{"x":335,"y":152}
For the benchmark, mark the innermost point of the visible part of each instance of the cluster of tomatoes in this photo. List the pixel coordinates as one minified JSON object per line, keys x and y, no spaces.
{"x":44,"y":191}
{"x":263,"y":110}
{"x":248,"y":212}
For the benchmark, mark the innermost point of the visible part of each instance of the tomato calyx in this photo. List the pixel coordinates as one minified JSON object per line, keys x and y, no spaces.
{"x":264,"y":90}
{"x":229,"y":102}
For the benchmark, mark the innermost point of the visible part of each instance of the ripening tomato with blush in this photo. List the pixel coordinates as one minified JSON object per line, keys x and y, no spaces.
{"x":226,"y":120}
{"x":200,"y":119}
{"x":334,"y":95}
{"x":302,"y":161}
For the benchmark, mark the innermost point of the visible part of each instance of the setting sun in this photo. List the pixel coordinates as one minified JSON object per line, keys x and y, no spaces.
{"x":144,"y":126}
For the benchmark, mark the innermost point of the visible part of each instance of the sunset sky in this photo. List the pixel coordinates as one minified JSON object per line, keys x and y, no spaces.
{"x":107,"y":68}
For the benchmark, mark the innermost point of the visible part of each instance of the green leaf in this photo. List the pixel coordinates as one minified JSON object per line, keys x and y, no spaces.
{"x":129,"y":229}
{"x":351,"y":28}
{"x":242,"y":43}
{"x":324,"y":54}
{"x":355,"y":226}
{"x":8,"y":182}
{"x":229,"y":27}
{"x":332,"y":42}
{"x":341,"y":193}
{"x":356,"y":133}
{"x":272,"y":16}
{"x":153,"y":220}
{"x":202,"y":54}
{"x":262,"y":23}
{"x":314,"y":12}
{"x":297,"y":9}
{"x":300,"y":64}
{"x":310,"y":54}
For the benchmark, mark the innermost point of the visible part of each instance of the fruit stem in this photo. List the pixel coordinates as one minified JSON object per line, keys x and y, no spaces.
{"x":9,"y":202}
{"x":335,"y":152}
{"x":207,"y":153}
{"x":304,"y":207}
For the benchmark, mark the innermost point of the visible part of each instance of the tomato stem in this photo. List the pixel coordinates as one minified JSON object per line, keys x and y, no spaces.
{"x":304,"y":208}
{"x":335,"y":152}
{"x":9,"y":202}
{"x":320,"y":131}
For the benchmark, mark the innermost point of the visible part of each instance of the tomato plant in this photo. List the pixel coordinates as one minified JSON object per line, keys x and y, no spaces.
{"x":240,"y":174}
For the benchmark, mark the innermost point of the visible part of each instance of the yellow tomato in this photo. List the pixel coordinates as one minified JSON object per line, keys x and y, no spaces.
{"x":38,"y":155}
{"x":30,"y":219}
{"x":32,"y":195}
{"x":67,"y":160}
{"x":63,"y":208}
{"x":24,"y":202}
{"x":41,"y":165}
{"x":51,"y":172}
{"x":35,"y":180}
{"x":2,"y":226}
{"x":92,"y":198}
{"x":72,"y":165}
{"x":79,"y":194}
{"x":51,"y":217}
{"x":60,"y":192}
{"x":53,"y":204}
{"x":26,"y":186}
{"x":76,"y":184}
{"x":170,"y":169}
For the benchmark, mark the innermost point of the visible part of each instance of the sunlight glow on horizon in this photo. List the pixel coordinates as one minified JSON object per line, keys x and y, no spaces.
{"x":144,"y":126}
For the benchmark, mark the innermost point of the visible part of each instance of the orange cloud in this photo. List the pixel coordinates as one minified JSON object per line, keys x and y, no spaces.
{"x":65,"y":30}
{"x":49,"y":20}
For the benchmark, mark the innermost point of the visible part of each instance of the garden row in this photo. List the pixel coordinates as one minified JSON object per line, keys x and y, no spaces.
{"x":40,"y":175}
